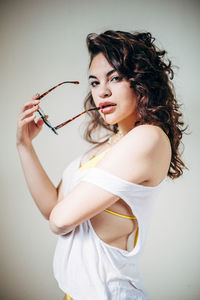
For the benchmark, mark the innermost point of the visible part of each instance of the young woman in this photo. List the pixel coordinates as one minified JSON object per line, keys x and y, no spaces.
{"x":102,"y":207}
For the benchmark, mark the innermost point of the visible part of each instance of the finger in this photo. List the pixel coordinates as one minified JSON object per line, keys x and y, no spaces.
{"x":28,"y":112}
{"x":30,"y":103}
{"x":36,"y":96}
{"x":40,"y":122}
{"x":27,"y":120}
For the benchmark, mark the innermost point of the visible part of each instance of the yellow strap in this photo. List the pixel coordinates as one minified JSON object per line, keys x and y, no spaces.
{"x":68,"y":297}
{"x":114,"y":213}
{"x":167,"y":137}
{"x":134,"y":218}
{"x":94,"y":160}
{"x":136,"y":237}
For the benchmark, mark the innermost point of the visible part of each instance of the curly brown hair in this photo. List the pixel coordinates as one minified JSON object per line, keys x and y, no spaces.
{"x":135,"y":57}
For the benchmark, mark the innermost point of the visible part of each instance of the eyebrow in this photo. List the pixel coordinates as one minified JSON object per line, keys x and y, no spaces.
{"x":107,"y":74}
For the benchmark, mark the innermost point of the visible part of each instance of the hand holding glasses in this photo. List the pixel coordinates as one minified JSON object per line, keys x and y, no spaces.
{"x":28,"y":129}
{"x":43,"y":116}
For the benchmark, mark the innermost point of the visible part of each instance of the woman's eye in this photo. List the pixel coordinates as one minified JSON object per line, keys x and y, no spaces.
{"x":116,"y":78}
{"x":94,"y":83}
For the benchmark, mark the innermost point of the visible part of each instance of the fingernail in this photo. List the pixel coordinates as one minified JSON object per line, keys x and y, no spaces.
{"x":36,"y":95}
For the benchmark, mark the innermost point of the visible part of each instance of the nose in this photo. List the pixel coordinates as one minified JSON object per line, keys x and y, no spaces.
{"x":104,"y":91}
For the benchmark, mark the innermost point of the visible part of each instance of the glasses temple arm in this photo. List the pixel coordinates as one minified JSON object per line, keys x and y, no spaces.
{"x":44,"y":94}
{"x":66,"y":122}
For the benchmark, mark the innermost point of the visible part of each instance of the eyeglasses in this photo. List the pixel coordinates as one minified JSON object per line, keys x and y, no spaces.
{"x":43,"y":115}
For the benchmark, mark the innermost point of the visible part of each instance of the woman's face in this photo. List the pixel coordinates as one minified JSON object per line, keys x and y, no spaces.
{"x":107,"y":87}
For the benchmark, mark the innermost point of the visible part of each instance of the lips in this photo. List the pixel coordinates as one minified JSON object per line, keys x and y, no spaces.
{"x":106,"y":104}
{"x":108,"y":109}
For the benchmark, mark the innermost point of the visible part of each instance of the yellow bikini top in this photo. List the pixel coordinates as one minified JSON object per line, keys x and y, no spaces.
{"x":94,"y":160}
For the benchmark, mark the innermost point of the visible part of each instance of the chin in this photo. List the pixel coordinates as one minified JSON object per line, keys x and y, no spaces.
{"x":110,"y":121}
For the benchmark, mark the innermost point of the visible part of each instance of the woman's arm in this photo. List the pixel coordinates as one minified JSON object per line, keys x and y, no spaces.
{"x":44,"y":193}
{"x":141,"y":156}
{"x":42,"y":190}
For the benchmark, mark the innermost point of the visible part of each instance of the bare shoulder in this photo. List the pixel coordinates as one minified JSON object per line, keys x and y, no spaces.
{"x":145,"y":140}
{"x":151,"y":142}
{"x":147,"y":134}
{"x":153,"y":147}
{"x":142,"y":155}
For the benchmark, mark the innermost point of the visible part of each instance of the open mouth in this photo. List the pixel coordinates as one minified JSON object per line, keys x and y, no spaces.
{"x":107,"y":105}
{"x":107,"y":108}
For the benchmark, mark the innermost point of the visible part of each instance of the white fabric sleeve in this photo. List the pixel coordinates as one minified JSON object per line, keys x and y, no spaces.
{"x":140,"y":198}
{"x":116,"y":185}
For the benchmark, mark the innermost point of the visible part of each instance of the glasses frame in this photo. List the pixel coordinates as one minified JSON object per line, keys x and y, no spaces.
{"x":44,"y":118}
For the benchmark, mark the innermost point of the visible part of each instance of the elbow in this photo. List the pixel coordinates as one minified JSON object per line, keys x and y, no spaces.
{"x":56,"y":230}
{"x":56,"y":224}
{"x":60,"y":230}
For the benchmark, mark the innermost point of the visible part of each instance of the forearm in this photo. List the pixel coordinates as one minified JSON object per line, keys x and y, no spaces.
{"x":40,"y":186}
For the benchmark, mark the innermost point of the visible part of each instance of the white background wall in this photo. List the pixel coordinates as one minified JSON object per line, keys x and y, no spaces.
{"x":42,"y":44}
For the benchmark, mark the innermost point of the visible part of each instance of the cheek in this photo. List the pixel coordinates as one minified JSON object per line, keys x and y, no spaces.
{"x":132,"y":97}
{"x":130,"y":100}
{"x":94,"y":96}
{"x":125,"y":91}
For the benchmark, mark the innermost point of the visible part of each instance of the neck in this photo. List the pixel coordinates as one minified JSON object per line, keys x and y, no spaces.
{"x":122,"y":131}
{"x":125,"y":127}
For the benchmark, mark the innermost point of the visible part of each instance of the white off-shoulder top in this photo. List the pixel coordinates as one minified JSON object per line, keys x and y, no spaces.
{"x":86,"y":267}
